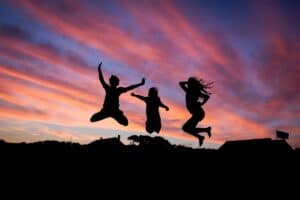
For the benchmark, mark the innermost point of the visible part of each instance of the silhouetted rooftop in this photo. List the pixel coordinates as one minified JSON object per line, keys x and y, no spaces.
{"x":264,"y":145}
{"x":107,"y":142}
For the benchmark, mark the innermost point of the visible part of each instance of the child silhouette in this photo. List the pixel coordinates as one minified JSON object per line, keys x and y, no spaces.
{"x":194,"y":90}
{"x":153,"y":122}
{"x":111,"y":101}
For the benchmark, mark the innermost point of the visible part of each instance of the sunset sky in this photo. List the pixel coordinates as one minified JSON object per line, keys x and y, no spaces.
{"x":50,"y":50}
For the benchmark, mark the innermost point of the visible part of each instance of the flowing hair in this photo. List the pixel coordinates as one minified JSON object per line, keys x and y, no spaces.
{"x":200,"y":84}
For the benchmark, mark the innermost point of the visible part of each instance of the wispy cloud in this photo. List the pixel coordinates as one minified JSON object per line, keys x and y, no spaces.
{"x":254,"y":66}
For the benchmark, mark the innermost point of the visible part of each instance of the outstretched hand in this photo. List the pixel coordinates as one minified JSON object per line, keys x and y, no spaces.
{"x":99,"y":66}
{"x":133,"y":94}
{"x":167,"y":108}
{"x":143,"y":81}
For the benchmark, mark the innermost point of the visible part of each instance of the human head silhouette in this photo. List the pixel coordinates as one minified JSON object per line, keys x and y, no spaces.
{"x":114,"y":81}
{"x":195,"y":84}
{"x":153,"y":92}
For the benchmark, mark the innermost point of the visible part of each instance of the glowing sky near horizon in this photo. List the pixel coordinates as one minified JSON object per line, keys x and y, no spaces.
{"x":50,"y":49}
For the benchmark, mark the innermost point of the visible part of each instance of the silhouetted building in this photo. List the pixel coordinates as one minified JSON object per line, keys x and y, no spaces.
{"x":257,"y":147}
{"x":108,"y":143}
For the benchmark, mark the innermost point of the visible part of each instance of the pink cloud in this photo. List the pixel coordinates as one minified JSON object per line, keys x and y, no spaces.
{"x":170,"y":49}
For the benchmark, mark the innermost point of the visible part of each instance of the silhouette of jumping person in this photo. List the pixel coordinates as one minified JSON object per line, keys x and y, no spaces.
{"x":153,"y":102}
{"x":111,"y":101}
{"x":194,"y":90}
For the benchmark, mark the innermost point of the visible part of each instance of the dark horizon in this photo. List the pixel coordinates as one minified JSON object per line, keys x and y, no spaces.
{"x":148,"y":150}
{"x":137,"y":140}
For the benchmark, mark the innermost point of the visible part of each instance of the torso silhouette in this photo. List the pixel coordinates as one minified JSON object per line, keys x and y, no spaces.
{"x":111,"y":100}
{"x":152,"y":109}
{"x":192,"y":99}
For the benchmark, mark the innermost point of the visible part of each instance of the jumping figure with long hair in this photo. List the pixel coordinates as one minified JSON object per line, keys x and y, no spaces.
{"x":194,"y":90}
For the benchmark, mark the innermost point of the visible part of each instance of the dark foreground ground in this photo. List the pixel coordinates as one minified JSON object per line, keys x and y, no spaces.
{"x":149,"y":161}
{"x":149,"y":152}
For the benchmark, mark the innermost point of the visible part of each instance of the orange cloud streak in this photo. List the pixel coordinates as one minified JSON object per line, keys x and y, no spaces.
{"x":112,"y":40}
{"x":48,"y":84}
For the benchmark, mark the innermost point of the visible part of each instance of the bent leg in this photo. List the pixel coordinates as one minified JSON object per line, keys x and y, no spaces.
{"x":190,"y":127}
{"x":99,"y":116}
{"x":120,"y":118}
{"x":207,"y":130}
{"x":199,"y":115}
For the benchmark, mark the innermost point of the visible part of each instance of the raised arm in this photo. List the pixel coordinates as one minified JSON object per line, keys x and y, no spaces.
{"x":131,"y":87}
{"x":138,"y":96}
{"x":102,"y":81}
{"x":183,"y":85}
